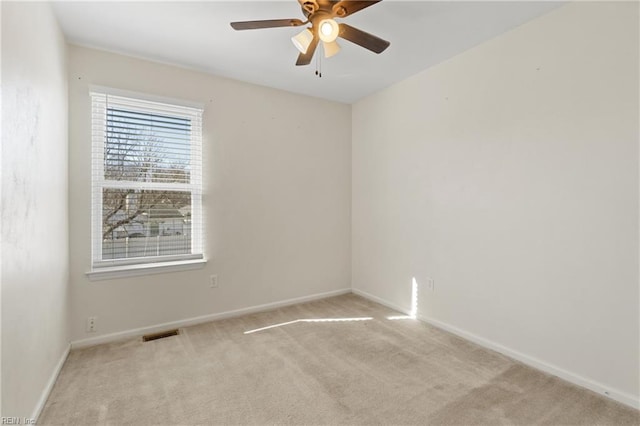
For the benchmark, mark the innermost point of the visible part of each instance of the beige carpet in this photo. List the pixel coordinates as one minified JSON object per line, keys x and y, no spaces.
{"x":369,"y":371}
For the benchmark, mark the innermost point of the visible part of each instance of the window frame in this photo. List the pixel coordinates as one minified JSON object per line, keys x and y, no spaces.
{"x":115,"y":268}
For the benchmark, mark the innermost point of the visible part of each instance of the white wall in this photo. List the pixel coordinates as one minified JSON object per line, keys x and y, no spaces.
{"x":34,"y":204}
{"x":277,"y":197}
{"x":509,"y":174}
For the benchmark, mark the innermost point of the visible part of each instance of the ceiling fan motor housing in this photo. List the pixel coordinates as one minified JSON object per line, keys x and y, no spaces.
{"x":310,"y":7}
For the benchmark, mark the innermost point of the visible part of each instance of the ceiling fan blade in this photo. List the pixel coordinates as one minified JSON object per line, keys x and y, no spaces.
{"x":269,"y":23}
{"x":361,"y":38}
{"x":305,"y":58}
{"x":345,"y":8}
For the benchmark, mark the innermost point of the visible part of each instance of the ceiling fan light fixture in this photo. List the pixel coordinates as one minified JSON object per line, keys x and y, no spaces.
{"x":302,"y":40}
{"x":329,"y":30}
{"x":330,"y":49}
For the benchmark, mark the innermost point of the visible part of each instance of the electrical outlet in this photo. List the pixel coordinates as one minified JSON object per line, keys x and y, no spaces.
{"x":213,"y":281}
{"x":430,"y":284}
{"x":91,"y":324}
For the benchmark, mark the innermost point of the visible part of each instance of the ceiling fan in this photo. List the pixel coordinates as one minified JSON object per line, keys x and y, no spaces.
{"x":321,"y":14}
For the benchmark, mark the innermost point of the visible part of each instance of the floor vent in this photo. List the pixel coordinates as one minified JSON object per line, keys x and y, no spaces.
{"x":161,"y":335}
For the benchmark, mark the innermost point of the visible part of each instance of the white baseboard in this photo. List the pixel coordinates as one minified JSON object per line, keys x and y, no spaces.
{"x":381,"y":301}
{"x":52,"y":381}
{"x":576,"y":379}
{"x":112,"y":337}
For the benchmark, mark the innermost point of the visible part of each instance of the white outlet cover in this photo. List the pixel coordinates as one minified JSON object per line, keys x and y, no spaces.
{"x":91,"y":324}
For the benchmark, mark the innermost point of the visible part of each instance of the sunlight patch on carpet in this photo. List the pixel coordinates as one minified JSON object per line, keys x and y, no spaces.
{"x":308,"y":320}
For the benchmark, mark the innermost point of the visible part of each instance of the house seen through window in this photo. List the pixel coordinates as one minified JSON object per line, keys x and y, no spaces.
{"x":147,"y":185}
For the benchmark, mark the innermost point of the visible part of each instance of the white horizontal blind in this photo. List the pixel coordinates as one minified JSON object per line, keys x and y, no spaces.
{"x":146,"y":181}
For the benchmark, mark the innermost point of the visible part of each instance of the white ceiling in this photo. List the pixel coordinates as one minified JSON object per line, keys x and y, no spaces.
{"x":197,"y":35}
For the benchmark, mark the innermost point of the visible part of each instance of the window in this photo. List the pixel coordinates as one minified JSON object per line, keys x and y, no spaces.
{"x":146,"y":183}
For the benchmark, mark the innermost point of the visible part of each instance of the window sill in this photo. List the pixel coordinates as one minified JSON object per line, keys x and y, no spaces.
{"x":114,"y":272}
